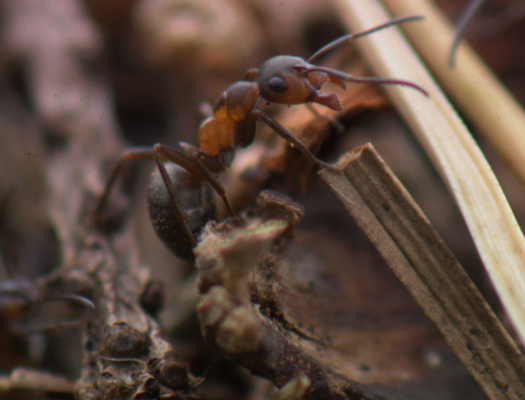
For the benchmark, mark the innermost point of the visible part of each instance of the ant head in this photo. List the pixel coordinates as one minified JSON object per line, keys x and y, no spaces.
{"x":292,"y":80}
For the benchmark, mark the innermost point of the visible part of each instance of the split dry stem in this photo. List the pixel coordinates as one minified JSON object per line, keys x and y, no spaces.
{"x":451,"y":148}
{"x":395,"y":224}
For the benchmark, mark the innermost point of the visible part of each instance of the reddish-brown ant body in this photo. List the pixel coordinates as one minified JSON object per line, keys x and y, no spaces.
{"x":282,"y":79}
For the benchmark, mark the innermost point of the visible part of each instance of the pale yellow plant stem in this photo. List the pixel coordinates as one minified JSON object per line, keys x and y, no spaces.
{"x":452,"y":150}
{"x":471,"y":84}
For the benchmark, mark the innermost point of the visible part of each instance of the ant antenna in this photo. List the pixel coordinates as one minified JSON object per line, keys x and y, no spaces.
{"x":367,"y":79}
{"x":461,"y":27}
{"x":351,"y":36}
{"x":347,"y":39}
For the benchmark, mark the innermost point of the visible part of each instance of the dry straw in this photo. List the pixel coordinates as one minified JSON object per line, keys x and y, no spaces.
{"x":445,"y":138}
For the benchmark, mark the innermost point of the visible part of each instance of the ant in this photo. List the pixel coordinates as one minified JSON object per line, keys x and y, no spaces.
{"x":281,"y":79}
{"x":464,"y":20}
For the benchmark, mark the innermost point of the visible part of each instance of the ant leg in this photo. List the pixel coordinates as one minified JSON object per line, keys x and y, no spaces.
{"x":144,"y":154}
{"x":289,"y":136}
{"x":133,"y":154}
{"x":334,"y":121}
{"x":177,"y":207}
{"x":195,"y":166}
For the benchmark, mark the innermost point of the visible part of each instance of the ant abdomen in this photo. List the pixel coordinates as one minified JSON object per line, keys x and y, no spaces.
{"x":196,"y":201}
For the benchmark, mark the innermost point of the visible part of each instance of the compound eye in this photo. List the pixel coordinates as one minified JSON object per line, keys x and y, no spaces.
{"x":277,"y":84}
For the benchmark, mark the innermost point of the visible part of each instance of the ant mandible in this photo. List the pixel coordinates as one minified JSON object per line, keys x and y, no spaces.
{"x":281,"y":79}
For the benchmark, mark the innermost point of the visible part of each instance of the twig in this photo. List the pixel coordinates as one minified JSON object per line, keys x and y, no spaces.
{"x":421,"y":260}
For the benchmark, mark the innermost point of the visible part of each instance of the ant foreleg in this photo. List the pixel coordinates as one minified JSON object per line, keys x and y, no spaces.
{"x":463,"y":22}
{"x":290,"y":137}
{"x":168,"y":210}
{"x":219,"y":189}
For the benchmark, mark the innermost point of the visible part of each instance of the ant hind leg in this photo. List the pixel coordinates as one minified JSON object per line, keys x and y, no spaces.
{"x":195,"y":166}
{"x":133,"y":154}
{"x":177,"y":207}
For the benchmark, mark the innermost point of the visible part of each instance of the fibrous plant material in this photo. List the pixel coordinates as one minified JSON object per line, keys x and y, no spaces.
{"x":225,"y":259}
{"x":398,"y":228}
{"x":457,"y":158}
